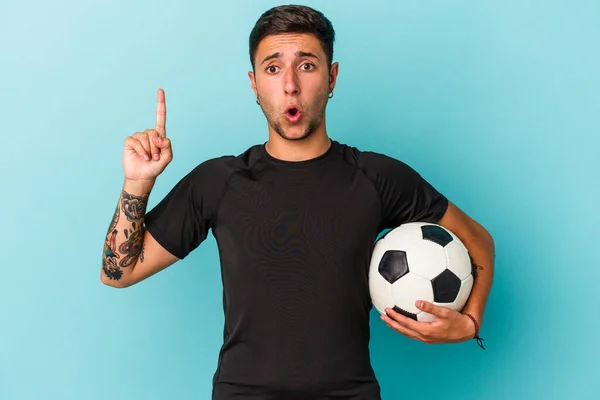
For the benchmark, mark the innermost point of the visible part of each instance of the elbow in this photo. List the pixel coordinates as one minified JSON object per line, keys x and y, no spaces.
{"x":115,"y":282}
{"x":479,"y":233}
{"x":475,"y":236}
{"x":484,"y":238}
{"x":489,"y":239}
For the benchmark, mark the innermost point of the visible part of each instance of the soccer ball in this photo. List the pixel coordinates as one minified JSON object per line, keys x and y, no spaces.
{"x":419,"y":261}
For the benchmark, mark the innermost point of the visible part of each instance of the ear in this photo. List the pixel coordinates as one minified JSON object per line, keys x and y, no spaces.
{"x":252,"y":82}
{"x":333,"y":74}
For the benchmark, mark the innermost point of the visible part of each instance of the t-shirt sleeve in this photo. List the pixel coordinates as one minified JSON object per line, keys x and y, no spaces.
{"x":405,"y":195}
{"x":182,"y":219}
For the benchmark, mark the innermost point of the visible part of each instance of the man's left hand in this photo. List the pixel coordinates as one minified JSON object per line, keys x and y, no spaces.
{"x":448,"y":326}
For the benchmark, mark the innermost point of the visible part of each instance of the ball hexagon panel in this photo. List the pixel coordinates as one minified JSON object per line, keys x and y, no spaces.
{"x":458,"y":259}
{"x":404,"y":235}
{"x":464,"y":293}
{"x":409,"y":288}
{"x":393,"y":265}
{"x":426,"y":259}
{"x":446,"y":287}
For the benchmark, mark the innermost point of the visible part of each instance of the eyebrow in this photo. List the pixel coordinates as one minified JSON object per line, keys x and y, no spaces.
{"x":298,"y":53}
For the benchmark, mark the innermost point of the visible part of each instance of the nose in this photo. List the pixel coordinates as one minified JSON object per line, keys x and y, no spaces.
{"x":291,"y":84}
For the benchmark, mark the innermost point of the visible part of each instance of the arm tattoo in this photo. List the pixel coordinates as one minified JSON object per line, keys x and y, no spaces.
{"x":132,"y":247}
{"x":110,"y":257}
{"x":113,"y":223}
{"x":134,"y":208}
{"x":142,"y":253}
{"x":474,"y":267}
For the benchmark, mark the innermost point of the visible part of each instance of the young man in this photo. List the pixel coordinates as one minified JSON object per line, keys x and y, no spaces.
{"x":295,"y":220}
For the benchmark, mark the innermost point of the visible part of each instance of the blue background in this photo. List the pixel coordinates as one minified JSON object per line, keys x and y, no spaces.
{"x":496,"y":103}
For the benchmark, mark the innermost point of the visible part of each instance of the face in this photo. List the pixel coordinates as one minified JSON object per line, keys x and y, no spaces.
{"x":292,"y":82}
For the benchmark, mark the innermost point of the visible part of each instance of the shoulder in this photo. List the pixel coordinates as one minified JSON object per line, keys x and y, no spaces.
{"x":219,"y":169}
{"x":375,"y":164}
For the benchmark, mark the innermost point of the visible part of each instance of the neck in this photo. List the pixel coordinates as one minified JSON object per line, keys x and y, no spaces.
{"x":298,"y":150}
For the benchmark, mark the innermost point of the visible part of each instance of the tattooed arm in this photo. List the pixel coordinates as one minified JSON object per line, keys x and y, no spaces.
{"x":130,"y":253}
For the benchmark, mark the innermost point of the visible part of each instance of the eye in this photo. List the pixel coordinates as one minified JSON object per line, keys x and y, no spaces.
{"x":308,"y":66}
{"x":271,"y":69}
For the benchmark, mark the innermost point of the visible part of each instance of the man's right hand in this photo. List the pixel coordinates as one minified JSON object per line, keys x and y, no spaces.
{"x":146,"y":154}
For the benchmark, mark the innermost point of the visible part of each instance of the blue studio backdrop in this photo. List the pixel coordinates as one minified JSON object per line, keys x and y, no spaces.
{"x":494,"y":102}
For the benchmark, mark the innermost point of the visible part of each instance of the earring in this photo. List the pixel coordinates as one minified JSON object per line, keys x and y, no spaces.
{"x":330,"y":94}
{"x":257,"y":102}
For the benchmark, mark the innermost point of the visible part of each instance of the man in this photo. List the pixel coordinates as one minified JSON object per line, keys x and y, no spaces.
{"x":295,"y":220}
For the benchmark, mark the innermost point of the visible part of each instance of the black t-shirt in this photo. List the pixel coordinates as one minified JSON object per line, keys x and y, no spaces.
{"x":294,"y":240}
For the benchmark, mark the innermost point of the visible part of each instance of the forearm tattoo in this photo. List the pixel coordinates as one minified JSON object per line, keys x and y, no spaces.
{"x":132,"y":247}
{"x":474,"y":267}
{"x":134,"y":208}
{"x":115,"y":219}
{"x":110,"y":257}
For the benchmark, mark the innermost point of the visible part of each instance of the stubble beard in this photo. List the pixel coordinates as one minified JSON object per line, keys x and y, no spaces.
{"x":314,"y":119}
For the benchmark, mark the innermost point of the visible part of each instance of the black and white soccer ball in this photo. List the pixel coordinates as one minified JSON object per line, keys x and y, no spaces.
{"x":419,"y":261}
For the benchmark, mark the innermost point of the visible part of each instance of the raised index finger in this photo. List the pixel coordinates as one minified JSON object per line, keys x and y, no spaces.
{"x":161,"y":114}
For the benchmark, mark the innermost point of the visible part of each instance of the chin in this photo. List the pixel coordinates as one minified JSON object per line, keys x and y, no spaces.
{"x":296,"y":134}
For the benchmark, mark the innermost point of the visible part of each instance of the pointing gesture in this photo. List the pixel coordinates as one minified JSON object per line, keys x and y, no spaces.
{"x":161,"y":114}
{"x":146,"y":154}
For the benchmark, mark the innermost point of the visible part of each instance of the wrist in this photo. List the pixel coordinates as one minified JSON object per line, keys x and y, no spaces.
{"x":138,"y":187}
{"x":474,"y":329}
{"x":472,"y":326}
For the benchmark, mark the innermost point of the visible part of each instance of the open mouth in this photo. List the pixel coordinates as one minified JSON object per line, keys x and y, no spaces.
{"x":293,"y":114}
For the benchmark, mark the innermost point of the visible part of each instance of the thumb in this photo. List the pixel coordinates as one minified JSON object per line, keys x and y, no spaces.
{"x":164,"y":144}
{"x":438,"y":311}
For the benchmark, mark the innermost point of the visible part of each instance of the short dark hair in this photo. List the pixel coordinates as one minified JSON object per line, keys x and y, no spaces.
{"x":293,"y":19}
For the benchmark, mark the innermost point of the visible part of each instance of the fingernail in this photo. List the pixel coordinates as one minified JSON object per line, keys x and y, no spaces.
{"x":146,"y":157}
{"x":155,"y":156}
